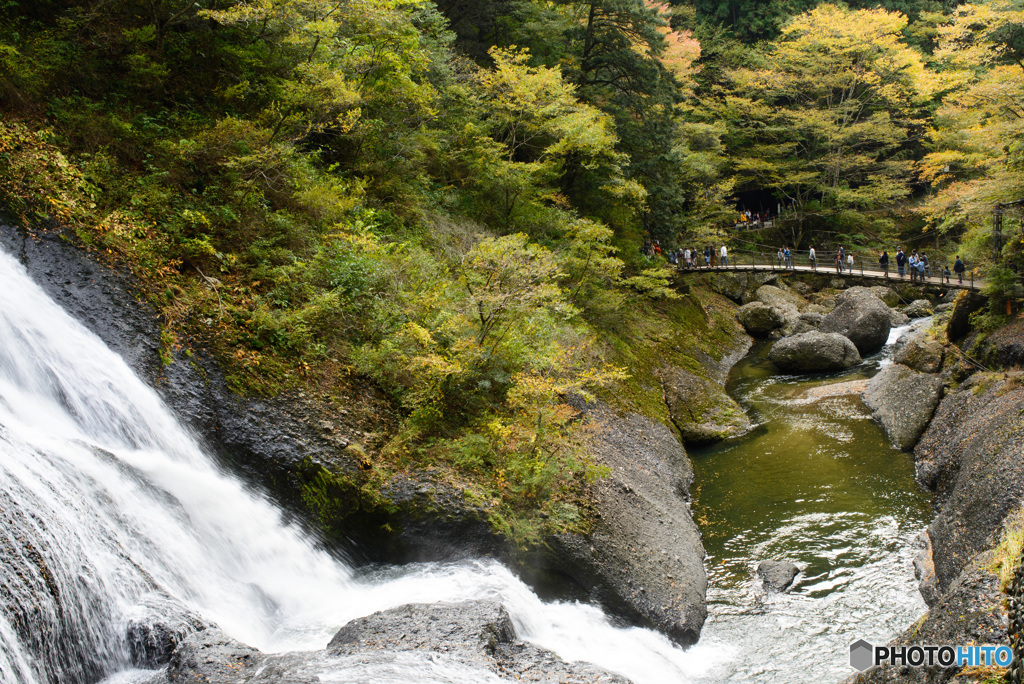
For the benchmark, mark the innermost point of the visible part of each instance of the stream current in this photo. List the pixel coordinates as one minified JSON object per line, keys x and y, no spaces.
{"x":816,"y":483}
{"x":110,"y":512}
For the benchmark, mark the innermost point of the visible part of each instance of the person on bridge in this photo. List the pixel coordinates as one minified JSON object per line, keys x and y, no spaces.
{"x":924,"y":260}
{"x":813,"y":258}
{"x":839,"y":259}
{"x":883,"y":261}
{"x":788,"y":255}
{"x":725,"y":257}
{"x":781,"y":256}
{"x":945,"y":274}
{"x":707,"y":256}
{"x":849,"y":262}
{"x":959,"y":269}
{"x":901,"y":260}
{"x":912,"y":265}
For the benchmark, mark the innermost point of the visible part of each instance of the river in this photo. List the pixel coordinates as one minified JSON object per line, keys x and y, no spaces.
{"x":817,"y":484}
{"x":111,"y":513}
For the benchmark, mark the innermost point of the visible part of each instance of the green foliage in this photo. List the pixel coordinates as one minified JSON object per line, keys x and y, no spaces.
{"x":824,"y":122}
{"x":446,"y":199}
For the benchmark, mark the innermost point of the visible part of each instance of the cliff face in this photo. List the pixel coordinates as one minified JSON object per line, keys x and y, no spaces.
{"x":971,"y":456}
{"x":285,"y":443}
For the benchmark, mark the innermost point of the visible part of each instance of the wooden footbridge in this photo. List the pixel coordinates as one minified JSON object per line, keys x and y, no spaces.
{"x":762,"y":262}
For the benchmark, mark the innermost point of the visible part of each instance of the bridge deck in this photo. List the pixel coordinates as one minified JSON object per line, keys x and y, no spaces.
{"x":969,"y":280}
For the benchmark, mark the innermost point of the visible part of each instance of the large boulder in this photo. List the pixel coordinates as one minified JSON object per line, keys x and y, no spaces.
{"x":479,"y":634}
{"x":759,"y":319}
{"x":920,"y":353}
{"x":701,"y":410}
{"x":886,"y":294}
{"x":814,"y":352}
{"x":780,"y":299}
{"x":739,"y":286}
{"x":212,"y":657}
{"x":971,"y":457}
{"x":477,"y":638}
{"x":903,"y":401}
{"x":919,"y":308}
{"x":861,"y":317}
{"x":800,"y":323}
{"x":644,"y":558}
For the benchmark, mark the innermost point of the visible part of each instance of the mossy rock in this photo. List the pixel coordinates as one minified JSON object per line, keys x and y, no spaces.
{"x":700,"y":409}
{"x":759,"y":319}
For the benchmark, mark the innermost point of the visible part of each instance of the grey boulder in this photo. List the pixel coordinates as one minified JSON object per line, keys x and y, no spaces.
{"x":759,"y":319}
{"x":903,"y":401}
{"x":919,"y":308}
{"x":701,"y":409}
{"x":777,"y":575}
{"x":861,"y":317}
{"x":814,"y":352}
{"x":921,"y":354}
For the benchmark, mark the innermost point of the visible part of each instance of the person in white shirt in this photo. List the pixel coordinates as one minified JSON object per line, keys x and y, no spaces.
{"x":724,"y":256}
{"x":813,"y":258}
{"x":686,"y":257}
{"x":849,"y":262}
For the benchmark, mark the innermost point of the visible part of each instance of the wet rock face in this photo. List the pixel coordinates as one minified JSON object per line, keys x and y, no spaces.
{"x":814,"y":352}
{"x":777,"y":575}
{"x":157,"y":627}
{"x":970,"y":456}
{"x":861,"y":317}
{"x":903,"y":401}
{"x":759,"y":319}
{"x":467,"y":638}
{"x":702,"y":410}
{"x":212,"y":657}
{"x":644,"y":559}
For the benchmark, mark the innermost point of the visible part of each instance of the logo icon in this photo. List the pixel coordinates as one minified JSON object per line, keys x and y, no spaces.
{"x":861,"y":655}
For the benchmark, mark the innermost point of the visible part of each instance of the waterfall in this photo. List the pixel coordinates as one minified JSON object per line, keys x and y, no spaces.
{"x":111,"y":515}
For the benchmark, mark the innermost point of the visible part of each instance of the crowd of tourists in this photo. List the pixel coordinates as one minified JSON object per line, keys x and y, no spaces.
{"x":915,"y":264}
{"x":689,"y":257}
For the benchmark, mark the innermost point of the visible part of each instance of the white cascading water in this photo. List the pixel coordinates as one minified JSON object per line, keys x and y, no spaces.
{"x":109,"y":511}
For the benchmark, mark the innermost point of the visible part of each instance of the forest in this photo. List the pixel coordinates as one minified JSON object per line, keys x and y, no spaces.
{"x":447,"y":199}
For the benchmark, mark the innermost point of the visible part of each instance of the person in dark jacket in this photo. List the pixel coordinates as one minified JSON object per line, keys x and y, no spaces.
{"x":959,"y":269}
{"x":883,"y":261}
{"x":901,"y":260}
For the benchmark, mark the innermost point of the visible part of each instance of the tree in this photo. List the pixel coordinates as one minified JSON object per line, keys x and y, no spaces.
{"x":541,"y":140}
{"x":826,"y":121}
{"x":978,"y":141}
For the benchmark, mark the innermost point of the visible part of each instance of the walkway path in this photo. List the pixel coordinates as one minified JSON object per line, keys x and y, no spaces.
{"x":748,"y":261}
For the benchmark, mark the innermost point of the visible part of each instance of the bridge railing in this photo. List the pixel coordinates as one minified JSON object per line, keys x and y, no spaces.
{"x":747,"y":260}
